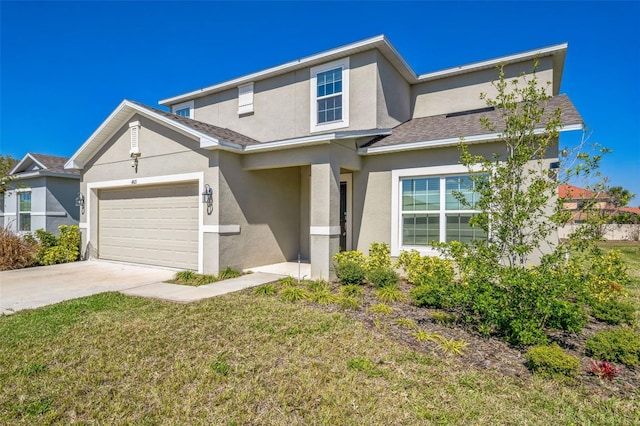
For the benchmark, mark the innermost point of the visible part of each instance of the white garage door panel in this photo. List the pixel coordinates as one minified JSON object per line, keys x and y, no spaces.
{"x":153,"y":225}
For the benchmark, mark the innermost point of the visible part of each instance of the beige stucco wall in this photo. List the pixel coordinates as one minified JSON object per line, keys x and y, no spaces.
{"x":267,"y":206}
{"x":462,"y":92}
{"x":393,"y":95}
{"x":282,"y":103}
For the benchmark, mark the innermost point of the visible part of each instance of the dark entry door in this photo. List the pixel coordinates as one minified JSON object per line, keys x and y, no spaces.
{"x":343,"y":216}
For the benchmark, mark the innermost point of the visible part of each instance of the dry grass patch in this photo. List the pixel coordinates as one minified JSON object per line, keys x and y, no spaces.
{"x":247,"y":359}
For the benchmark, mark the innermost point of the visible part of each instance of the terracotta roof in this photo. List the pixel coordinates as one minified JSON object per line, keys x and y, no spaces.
{"x":465,"y":124}
{"x":208,"y":129}
{"x":576,"y":193}
{"x":635,"y":210}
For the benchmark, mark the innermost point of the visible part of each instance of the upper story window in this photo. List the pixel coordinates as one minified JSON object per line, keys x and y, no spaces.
{"x":330,"y":96}
{"x":184,"y":109}
{"x":24,"y":211}
{"x":245,"y":99}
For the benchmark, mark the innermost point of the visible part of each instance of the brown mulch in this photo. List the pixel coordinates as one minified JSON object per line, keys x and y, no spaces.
{"x":482,"y":352}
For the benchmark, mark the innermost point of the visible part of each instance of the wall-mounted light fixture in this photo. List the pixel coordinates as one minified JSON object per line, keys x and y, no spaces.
{"x":207,"y":195}
{"x":80,"y":200}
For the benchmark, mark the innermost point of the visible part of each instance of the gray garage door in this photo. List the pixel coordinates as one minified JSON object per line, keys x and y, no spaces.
{"x":155,"y":225}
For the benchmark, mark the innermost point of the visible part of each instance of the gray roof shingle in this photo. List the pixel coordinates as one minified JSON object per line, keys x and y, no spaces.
{"x":53,"y":164}
{"x":220,"y":133}
{"x":440,"y":127}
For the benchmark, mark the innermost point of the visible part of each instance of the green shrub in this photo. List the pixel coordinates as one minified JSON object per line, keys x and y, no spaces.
{"x":202,"y":279}
{"x":265,"y":290}
{"x":614,"y":311}
{"x":323,"y":297}
{"x":618,"y":345}
{"x":351,"y":290}
{"x":421,"y":270}
{"x":349,"y":272}
{"x":287,"y":282}
{"x":348,"y":302}
{"x":294,"y":294}
{"x":382,"y":277}
{"x":350,"y":256}
{"x":316,"y":285}
{"x":390,"y":294}
{"x":552,"y":362}
{"x":607,"y":276}
{"x":65,"y":248}
{"x":16,"y":252}
{"x":228,"y":273}
{"x":379,"y":256}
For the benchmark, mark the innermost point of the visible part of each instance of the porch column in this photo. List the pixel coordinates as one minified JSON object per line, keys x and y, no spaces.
{"x":325,"y":218}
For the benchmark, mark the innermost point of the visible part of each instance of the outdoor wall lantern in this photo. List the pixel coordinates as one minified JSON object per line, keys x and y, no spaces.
{"x":80,"y":200}
{"x":207,"y":195}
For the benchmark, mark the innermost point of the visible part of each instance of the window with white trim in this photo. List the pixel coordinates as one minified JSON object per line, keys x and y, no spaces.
{"x":330,"y":96}
{"x":24,"y":211}
{"x":424,"y":208}
{"x":184,"y":109}
{"x":431,"y":212}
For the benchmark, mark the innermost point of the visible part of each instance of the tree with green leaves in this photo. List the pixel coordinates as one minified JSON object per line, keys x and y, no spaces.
{"x":519,"y":209}
{"x":620,"y":196}
{"x":7,"y":162}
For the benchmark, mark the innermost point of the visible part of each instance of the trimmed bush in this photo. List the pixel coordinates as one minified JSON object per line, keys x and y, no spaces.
{"x":379,"y":256}
{"x":618,"y":345}
{"x":614,"y":311}
{"x":382,"y":277}
{"x":552,"y":362}
{"x":423,"y":270}
{"x":62,"y":249}
{"x":349,"y":272}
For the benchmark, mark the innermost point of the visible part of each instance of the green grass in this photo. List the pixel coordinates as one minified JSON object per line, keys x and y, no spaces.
{"x":245,"y":359}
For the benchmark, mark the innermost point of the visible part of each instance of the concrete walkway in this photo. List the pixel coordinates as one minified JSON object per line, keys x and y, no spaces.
{"x":32,"y":288}
{"x":186,"y":294}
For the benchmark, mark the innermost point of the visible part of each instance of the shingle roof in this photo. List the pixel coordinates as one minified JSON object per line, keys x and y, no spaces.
{"x":52,"y":163}
{"x":440,"y":127}
{"x":208,"y":129}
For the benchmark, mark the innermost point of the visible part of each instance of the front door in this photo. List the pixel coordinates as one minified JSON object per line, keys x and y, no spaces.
{"x":343,"y":216}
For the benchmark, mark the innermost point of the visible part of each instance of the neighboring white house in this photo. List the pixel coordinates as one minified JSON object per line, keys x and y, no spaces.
{"x":332,"y":151}
{"x":41,"y":195}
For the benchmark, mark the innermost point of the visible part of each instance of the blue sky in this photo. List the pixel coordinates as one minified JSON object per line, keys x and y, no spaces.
{"x":66,"y":65}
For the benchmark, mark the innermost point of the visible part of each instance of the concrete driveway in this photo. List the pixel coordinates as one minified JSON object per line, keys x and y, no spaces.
{"x":44,"y":285}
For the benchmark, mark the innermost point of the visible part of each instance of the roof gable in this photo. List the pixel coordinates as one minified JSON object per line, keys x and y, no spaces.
{"x":209,"y":136}
{"x":39,"y":164}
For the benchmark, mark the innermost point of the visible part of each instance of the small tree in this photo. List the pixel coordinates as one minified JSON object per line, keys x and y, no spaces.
{"x":518,"y":187}
{"x":7,"y":162}
{"x":620,"y":196}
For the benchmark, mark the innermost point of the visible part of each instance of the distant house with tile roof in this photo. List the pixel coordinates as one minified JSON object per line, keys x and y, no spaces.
{"x":41,"y":195}
{"x":582,"y":202}
{"x":328,"y":152}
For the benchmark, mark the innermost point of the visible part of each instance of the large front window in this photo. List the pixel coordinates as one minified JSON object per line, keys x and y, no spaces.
{"x":431,"y":212}
{"x":330,"y":96}
{"x":24,"y":211}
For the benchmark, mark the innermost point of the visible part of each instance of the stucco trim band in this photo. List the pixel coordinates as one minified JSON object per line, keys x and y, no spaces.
{"x":324,"y":230}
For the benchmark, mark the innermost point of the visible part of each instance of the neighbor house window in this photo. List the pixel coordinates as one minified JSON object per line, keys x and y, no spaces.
{"x":184,"y":109}
{"x":330,"y":96}
{"x":24,"y":211}
{"x":426,"y":209}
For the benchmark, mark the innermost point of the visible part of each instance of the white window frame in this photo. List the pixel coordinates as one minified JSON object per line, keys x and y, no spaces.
{"x":245,"y":99}
{"x":313,"y":85}
{"x":397,"y":176}
{"x":19,"y":212}
{"x":183,"y":105}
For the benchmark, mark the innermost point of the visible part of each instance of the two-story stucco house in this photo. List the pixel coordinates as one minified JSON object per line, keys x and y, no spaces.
{"x":332,"y":151}
{"x":41,"y":195}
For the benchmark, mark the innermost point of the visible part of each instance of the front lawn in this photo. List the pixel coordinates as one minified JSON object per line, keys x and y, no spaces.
{"x":248,"y":359}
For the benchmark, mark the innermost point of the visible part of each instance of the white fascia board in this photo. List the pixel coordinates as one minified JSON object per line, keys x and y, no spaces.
{"x":73,"y":163}
{"x":213,"y":143}
{"x":315,"y":139}
{"x":44,"y":173}
{"x":346,"y":50}
{"x":518,"y":57}
{"x":452,"y":141}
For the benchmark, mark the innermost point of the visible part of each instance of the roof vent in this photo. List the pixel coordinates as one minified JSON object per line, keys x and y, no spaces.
{"x":469,"y":112}
{"x":135,"y":136}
